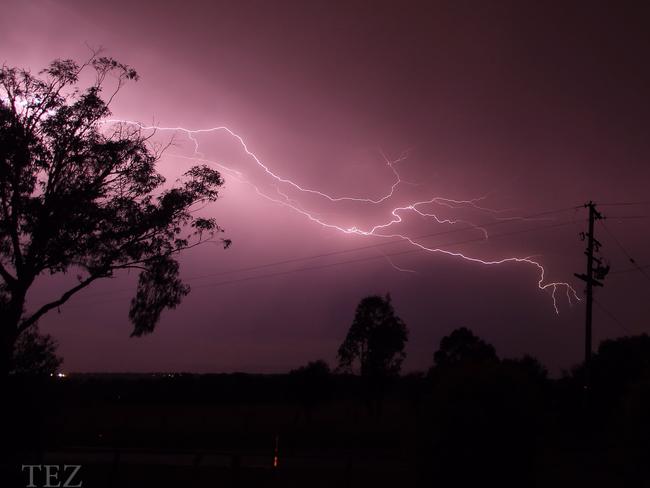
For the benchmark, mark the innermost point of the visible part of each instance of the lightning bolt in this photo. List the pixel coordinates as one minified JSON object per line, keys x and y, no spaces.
{"x":382,"y":230}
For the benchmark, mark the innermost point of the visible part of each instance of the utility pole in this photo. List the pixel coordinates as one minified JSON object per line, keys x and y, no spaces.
{"x":600,"y":271}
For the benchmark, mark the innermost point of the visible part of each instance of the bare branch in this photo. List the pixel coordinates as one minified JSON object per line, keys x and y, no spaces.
{"x":57,"y":303}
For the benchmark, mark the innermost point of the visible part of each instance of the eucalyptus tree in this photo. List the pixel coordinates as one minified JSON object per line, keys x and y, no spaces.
{"x":81,"y":195}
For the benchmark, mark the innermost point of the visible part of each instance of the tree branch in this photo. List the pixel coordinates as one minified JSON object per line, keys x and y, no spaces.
{"x":83,"y":284}
{"x":6,"y":275}
{"x":57,"y":303}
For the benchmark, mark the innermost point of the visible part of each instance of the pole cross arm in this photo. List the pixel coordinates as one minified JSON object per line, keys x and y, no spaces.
{"x":586,"y":279}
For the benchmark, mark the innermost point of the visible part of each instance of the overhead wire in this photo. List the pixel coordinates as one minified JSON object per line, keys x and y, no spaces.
{"x":625,"y":251}
{"x":360,"y":248}
{"x":612,"y":317}
{"x":363,"y":259}
{"x":371,"y":246}
{"x":623,"y":204}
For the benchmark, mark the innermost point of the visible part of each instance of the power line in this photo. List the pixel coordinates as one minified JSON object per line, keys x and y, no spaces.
{"x":620,"y":204}
{"x":288,"y":261}
{"x":369,"y":258}
{"x":352,"y":261}
{"x":629,"y":256}
{"x":628,"y":270}
{"x":613,"y":317}
{"x":370,"y":246}
{"x":628,"y":217}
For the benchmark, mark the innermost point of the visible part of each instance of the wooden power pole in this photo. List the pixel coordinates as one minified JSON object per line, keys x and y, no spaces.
{"x":599,"y":271}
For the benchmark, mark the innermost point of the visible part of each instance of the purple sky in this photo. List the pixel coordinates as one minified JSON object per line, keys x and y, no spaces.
{"x":535,"y":108}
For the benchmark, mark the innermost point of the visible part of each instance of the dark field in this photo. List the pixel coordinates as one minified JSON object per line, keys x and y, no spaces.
{"x":221,"y":430}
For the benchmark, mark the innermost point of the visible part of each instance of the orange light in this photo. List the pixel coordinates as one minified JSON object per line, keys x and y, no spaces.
{"x":276,"y":451}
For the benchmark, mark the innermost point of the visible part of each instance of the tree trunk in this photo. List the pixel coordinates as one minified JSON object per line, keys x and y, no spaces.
{"x":9,"y":320}
{"x":7,"y":344}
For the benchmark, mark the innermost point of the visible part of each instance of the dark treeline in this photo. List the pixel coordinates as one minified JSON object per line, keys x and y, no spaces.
{"x":472,"y":417}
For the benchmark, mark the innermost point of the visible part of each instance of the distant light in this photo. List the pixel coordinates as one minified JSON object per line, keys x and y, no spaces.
{"x":61,"y":375}
{"x":276,"y":451}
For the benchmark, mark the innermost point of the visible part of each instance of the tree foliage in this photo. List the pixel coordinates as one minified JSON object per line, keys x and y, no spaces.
{"x":79,"y":194}
{"x":35,"y":353}
{"x":311,"y":384}
{"x":376,"y":339}
{"x":482,"y":413}
{"x":463,"y":346}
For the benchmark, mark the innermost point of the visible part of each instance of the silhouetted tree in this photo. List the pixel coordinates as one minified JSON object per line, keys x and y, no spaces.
{"x":619,"y":401}
{"x":620,"y":362}
{"x":529,"y":366}
{"x":376,"y":339}
{"x":35,"y":353}
{"x":616,"y":367}
{"x":318,"y":368}
{"x":483,"y":415}
{"x":462,"y":346}
{"x":77,"y":195}
{"x":311,"y":385}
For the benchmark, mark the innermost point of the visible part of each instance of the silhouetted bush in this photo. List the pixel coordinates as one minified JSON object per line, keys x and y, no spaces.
{"x":311,"y":385}
{"x":483,"y":416}
{"x":35,"y":354}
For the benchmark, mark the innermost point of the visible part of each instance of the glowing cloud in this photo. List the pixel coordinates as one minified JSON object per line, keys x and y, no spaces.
{"x":385,"y":229}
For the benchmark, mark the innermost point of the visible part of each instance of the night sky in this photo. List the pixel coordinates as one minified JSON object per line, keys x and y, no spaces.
{"x":532,"y":108}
